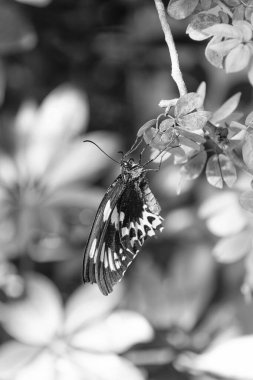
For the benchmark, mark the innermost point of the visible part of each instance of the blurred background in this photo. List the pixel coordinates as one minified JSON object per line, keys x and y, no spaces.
{"x":72,"y":70}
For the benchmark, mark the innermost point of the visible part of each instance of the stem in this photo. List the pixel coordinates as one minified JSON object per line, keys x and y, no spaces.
{"x":224,"y":7}
{"x":175,"y":69}
{"x":231,"y":153}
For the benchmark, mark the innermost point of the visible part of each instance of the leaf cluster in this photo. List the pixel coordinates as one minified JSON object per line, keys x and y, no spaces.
{"x":198,"y":139}
{"x":229,"y":27}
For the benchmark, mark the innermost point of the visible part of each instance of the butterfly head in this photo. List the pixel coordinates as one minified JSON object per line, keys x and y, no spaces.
{"x":130,"y":169}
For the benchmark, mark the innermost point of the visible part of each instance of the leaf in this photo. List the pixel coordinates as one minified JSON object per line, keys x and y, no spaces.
{"x":178,"y":152}
{"x":224,"y":18}
{"x":232,"y":248}
{"x":107,"y":334}
{"x":213,"y":172}
{"x":193,"y":168}
{"x":149,"y":124}
{"x":248,"y":14}
{"x":226,"y":109}
{"x":205,"y":4}
{"x":214,"y":57}
{"x":228,"y":170}
{"x":193,"y":136}
{"x":246,"y":29}
{"x":180,"y":9}
{"x":238,"y":13}
{"x":224,"y":31}
{"x":166,"y":124}
{"x":224,"y":47}
{"x":189,"y":143}
{"x":249,"y":120}
{"x":199,"y":23}
{"x":247,"y":150}
{"x":237,"y":59}
{"x":159,"y":140}
{"x":201,"y":91}
{"x":231,"y":359}
{"x":194,"y":121}
{"x":246,"y":200}
{"x":188,"y":103}
{"x":16,"y":32}
{"x":236,"y":131}
{"x":28,"y":320}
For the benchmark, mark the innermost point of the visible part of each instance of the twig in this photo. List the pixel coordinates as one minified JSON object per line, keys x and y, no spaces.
{"x":175,"y":68}
{"x":224,"y":7}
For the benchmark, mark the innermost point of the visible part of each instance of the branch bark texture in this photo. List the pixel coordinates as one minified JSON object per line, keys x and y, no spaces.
{"x":175,"y":68}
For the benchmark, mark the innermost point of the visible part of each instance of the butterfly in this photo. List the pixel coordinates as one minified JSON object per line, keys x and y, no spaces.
{"x":126,"y":217}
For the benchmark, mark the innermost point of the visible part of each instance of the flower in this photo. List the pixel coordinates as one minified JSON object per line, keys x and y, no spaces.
{"x":227,"y":220}
{"x":40,"y":182}
{"x":80,"y":341}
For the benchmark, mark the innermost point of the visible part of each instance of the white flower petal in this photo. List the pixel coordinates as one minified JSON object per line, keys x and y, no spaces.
{"x":63,"y":114}
{"x":231,"y":360}
{"x":105,"y":367}
{"x":224,"y":214}
{"x":37,"y":318}
{"x":25,"y":121}
{"x":88,"y":304}
{"x":117,"y":333}
{"x":13,"y":356}
{"x":82,"y":160}
{"x":8,"y":171}
{"x":42,"y":367}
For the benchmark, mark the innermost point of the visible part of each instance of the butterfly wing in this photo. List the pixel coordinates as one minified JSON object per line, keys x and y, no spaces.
{"x":103,"y":238}
{"x":139,"y":216}
{"x":127,"y":215}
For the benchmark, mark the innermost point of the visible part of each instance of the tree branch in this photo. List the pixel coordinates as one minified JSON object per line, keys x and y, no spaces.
{"x":175,"y":68}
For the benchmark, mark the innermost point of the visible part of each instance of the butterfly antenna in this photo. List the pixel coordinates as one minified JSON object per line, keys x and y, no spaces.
{"x":92,"y":142}
{"x":135,"y":145}
{"x":163,"y":150}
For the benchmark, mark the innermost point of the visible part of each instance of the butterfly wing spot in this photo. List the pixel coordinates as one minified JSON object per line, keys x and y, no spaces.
{"x":106,"y":259}
{"x":111,"y":262}
{"x":121,"y":216}
{"x":115,"y":218}
{"x":107,"y":210}
{"x":95,"y":256}
{"x":102,"y":255}
{"x":92,"y":249}
{"x":124,"y":231}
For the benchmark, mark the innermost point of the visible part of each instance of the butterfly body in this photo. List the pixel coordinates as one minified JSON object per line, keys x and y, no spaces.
{"x":127,"y":215}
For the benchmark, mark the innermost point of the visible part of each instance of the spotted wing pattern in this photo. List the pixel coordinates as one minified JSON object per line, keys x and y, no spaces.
{"x":139,"y":216}
{"x":127,"y":215}
{"x":102,"y":233}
